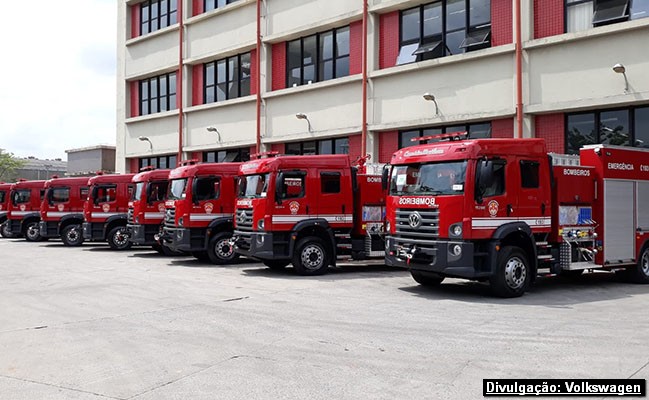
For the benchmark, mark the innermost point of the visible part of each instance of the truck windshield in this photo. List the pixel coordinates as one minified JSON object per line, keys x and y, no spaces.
{"x":21,"y":196}
{"x":253,"y":186}
{"x":428,"y":179}
{"x":177,"y":189}
{"x":137,"y":193}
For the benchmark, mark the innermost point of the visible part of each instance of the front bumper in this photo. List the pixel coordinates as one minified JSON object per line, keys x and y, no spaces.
{"x":438,"y":257}
{"x":142,"y":234}
{"x":185,"y":240}
{"x":49,"y":229}
{"x":260,"y":245}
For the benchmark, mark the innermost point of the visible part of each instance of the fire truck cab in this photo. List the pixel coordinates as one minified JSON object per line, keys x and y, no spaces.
{"x":105,"y":211}
{"x":307,"y":210}
{"x":23,"y":214}
{"x":62,"y":209}
{"x":199,"y":211}
{"x":5,"y":188}
{"x":146,"y":209}
{"x":503,"y":210}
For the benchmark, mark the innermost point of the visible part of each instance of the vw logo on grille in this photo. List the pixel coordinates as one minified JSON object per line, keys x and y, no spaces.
{"x":414,"y":219}
{"x":242,"y":217}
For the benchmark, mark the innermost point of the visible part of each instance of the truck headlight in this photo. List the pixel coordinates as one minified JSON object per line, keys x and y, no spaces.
{"x":456,"y":250}
{"x":260,"y":225}
{"x":455,"y":230}
{"x":388,"y":225}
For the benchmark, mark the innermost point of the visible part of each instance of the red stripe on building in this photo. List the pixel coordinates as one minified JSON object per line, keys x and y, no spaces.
{"x":388,"y":144}
{"x":355,"y":150}
{"x":135,"y":98}
{"x":135,"y":21}
{"x":278,"y":147}
{"x":197,"y":84}
{"x":501,"y":22}
{"x":134,"y":165}
{"x":552,"y":128}
{"x":356,"y":47}
{"x":253,"y":72}
{"x":388,"y":39}
{"x":502,"y":128}
{"x":197,"y":155}
{"x":548,"y":18}
{"x":197,"y":7}
{"x":253,"y":150}
{"x":279,"y":66}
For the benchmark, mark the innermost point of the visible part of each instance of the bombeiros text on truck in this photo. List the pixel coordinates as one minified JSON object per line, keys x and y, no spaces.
{"x":308,"y":210}
{"x":62,"y":209}
{"x":504,"y":210}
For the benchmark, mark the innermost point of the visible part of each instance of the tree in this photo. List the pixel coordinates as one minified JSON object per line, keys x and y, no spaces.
{"x":8,"y":166}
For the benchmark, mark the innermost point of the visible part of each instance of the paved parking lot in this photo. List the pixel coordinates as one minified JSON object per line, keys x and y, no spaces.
{"x":88,"y":323}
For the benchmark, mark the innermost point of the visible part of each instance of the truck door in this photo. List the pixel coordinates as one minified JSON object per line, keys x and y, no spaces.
{"x":492,"y":196}
{"x":334,"y":195}
{"x":533,"y":196}
{"x":58,"y":200}
{"x":293,"y":201}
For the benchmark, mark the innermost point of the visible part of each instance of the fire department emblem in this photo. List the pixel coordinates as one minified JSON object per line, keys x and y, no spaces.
{"x":61,"y":207}
{"x":161,"y":207}
{"x":493,"y":208}
{"x":414,"y":220}
{"x":23,"y":207}
{"x":105,"y":207}
{"x":294,"y":206}
{"x":208,"y":207}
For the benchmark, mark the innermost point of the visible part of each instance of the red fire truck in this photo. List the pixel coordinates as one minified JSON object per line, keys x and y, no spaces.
{"x":5,"y":188}
{"x":106,"y":209}
{"x":199,"y":211}
{"x":23,"y":214}
{"x":146,"y":209}
{"x":307,"y":210}
{"x":62,"y":209}
{"x":503,"y":211}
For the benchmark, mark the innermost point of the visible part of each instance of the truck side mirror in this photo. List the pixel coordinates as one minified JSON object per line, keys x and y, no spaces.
{"x":384,"y":178}
{"x":278,"y":188}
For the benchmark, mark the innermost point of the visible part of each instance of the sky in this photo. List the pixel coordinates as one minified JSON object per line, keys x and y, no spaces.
{"x":57,"y":76}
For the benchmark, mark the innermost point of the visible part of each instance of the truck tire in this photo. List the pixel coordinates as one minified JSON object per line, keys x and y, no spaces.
{"x":117,"y":238}
{"x":276,"y":265}
{"x":640,"y":273}
{"x":426,"y":279}
{"x":32,"y":232}
{"x":513,"y":274}
{"x":72,"y":235}
{"x":219,"y":249}
{"x":5,"y":231}
{"x":311,"y":256}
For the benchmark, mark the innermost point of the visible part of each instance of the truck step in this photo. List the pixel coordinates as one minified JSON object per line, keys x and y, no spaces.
{"x":545,"y":257}
{"x":541,"y":244}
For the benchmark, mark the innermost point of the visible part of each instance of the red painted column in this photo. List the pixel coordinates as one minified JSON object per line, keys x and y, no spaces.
{"x":552,"y":128}
{"x":501,"y":22}
{"x":388,"y":39}
{"x":502,"y":128}
{"x":253,"y":72}
{"x":197,"y":7}
{"x":388,"y":144}
{"x":548,"y":18}
{"x":134,"y":165}
{"x":355,"y":47}
{"x":197,"y":85}
{"x":135,"y":20}
{"x":197,"y":155}
{"x":135,"y":98}
{"x":279,"y":66}
{"x":355,"y":147}
{"x":278,"y":147}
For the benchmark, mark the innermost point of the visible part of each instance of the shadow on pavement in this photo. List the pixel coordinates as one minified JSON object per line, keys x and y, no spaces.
{"x":358,"y":271}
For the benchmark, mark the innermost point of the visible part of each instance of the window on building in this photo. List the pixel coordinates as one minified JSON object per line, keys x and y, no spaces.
{"x":475,"y":131}
{"x":226,"y":79}
{"x":621,"y":127}
{"x":324,"y":146}
{"x":158,"y":94}
{"x":160,"y":162}
{"x":318,"y":58}
{"x":157,"y":14}
{"x":444,"y":28}
{"x":229,"y":155}
{"x":585,"y":14}
{"x":214,"y":4}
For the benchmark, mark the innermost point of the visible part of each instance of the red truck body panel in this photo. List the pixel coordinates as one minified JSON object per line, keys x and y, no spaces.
{"x":107,"y":205}
{"x":63,"y":204}
{"x":146,"y":209}
{"x":23,"y":213}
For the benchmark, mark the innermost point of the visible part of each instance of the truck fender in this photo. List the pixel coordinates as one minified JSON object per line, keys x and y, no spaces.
{"x":521,"y":233}
{"x":70,"y":219}
{"x":318,"y":223}
{"x":30,"y":217}
{"x":114,"y":221}
{"x":3,"y":218}
{"x":218,"y":225}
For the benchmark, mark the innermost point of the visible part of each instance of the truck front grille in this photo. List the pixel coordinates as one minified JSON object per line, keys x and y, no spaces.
{"x":129,"y":216}
{"x":170,"y":217}
{"x":417,"y":227}
{"x":244,"y":228}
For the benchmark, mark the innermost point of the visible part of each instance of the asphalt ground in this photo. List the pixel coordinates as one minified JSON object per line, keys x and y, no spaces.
{"x":89,"y":323}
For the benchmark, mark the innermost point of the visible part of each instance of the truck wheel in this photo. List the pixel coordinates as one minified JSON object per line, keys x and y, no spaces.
{"x":513,"y":273}
{"x":219,"y":249}
{"x":426,"y":279}
{"x":311,"y":257}
{"x":32,"y":232}
{"x":72,"y":235}
{"x":117,"y":238}
{"x":5,"y":231}
{"x":276,"y":265}
{"x":640,"y":273}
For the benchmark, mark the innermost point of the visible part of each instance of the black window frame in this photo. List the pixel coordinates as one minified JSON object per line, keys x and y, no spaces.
{"x":318,"y":61}
{"x":209,"y":5}
{"x":628,"y":15}
{"x":477,"y":36}
{"x":242,"y":81}
{"x":163,"y":100}
{"x":422,"y":132}
{"x":317,"y":144}
{"x":219,"y":156}
{"x":597,"y":124}
{"x":170,"y":161}
{"x":162,"y":18}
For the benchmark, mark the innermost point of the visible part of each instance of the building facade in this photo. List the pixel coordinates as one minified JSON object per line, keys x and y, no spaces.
{"x":194,"y":83}
{"x":86,"y":161}
{"x":37,"y":169}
